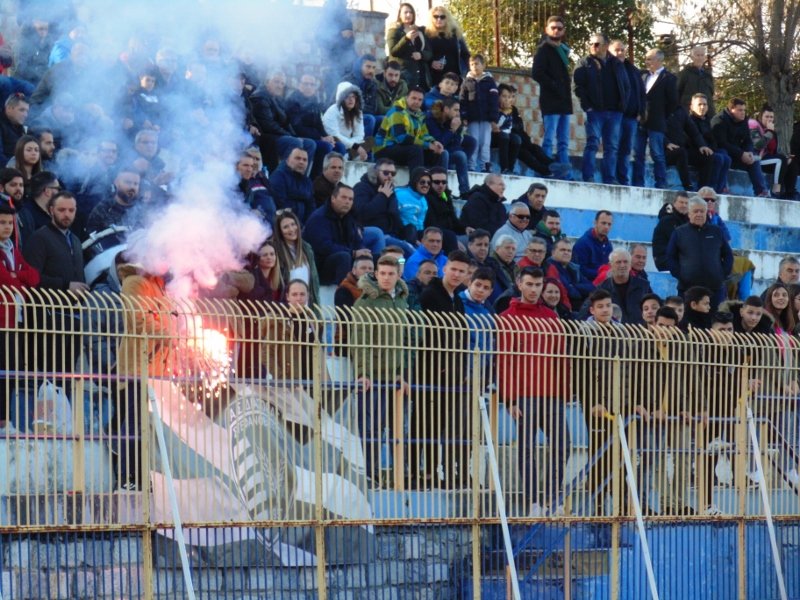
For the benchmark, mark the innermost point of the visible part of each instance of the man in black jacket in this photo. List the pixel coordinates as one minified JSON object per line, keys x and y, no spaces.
{"x":626,"y":291}
{"x":712,"y":172}
{"x":632,"y":113}
{"x":12,"y":125}
{"x":375,"y":203}
{"x":272,"y":120}
{"x":440,"y":416}
{"x":682,"y":134}
{"x":551,"y":72}
{"x":733,"y":136}
{"x":698,"y":254}
{"x":441,"y":212}
{"x":485,"y":209}
{"x":305,"y":115}
{"x":671,"y":216}
{"x":661,"y":95}
{"x":602,"y":85}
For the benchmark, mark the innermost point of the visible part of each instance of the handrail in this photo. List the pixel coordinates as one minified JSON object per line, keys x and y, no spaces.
{"x":762,"y":486}
{"x":498,"y":491}
{"x":630,"y":477}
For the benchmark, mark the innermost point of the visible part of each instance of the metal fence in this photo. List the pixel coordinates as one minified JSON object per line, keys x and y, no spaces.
{"x":156,"y":448}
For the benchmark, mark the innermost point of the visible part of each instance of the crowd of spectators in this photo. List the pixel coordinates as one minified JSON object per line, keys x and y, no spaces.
{"x":433,"y":107}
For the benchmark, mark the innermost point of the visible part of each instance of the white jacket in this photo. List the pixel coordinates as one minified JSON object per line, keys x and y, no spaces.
{"x":333,"y":118}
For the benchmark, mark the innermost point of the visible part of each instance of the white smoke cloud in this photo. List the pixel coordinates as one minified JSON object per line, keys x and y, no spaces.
{"x":205,"y":229}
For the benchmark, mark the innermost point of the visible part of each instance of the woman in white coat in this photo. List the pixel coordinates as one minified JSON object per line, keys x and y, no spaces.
{"x":345,"y":122}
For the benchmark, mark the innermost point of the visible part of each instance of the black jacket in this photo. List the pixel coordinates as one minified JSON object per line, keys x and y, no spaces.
{"x":630,"y":304}
{"x":699,"y":256}
{"x":484,"y":209}
{"x":661,"y":101}
{"x":48,"y":252}
{"x":329,"y":233}
{"x":695,"y":319}
{"x":765,"y":325}
{"x":668,"y":221}
{"x":681,"y":130}
{"x":305,"y":116}
{"x":373,"y":209}
{"x":444,"y":359}
{"x":270,"y":114}
{"x":588,"y":77}
{"x":637,"y":100}
{"x":704,"y":129}
{"x":731,"y":136}
{"x":9,"y":136}
{"x":552,"y":75}
{"x":691,"y":81}
{"x":441,"y":213}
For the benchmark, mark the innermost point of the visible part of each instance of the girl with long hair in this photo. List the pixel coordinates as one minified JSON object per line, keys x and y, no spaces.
{"x":344,"y":121}
{"x":268,"y":280}
{"x":295,"y":256}
{"x":407,"y":44}
{"x":779,"y":305}
{"x":27,"y":157}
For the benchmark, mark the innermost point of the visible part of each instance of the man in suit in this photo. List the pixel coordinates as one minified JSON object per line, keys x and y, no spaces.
{"x":661,"y":101}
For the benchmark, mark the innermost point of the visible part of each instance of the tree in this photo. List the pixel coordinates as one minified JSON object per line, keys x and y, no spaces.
{"x":752,"y":36}
{"x":522,"y":22}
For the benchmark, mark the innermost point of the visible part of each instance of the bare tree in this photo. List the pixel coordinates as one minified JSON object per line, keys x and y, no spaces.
{"x":764,"y":30}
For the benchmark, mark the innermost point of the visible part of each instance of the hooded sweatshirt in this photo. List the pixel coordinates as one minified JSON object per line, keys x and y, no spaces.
{"x":335,"y":123}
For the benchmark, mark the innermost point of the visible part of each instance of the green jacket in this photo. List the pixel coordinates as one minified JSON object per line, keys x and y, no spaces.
{"x":378,"y":335}
{"x":403,"y":127}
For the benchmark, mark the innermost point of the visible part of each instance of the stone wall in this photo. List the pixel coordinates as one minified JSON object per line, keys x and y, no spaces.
{"x":370,"y":29}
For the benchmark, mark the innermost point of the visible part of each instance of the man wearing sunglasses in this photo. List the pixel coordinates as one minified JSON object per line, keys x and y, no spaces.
{"x":516,"y":226}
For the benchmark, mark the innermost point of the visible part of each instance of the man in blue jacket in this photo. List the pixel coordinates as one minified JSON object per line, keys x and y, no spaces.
{"x":602,"y":86}
{"x":335,"y":237}
{"x":593,"y":248}
{"x":698,"y":254}
{"x":291,"y":188}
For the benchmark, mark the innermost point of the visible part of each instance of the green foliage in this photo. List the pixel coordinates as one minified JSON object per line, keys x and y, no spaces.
{"x":522,"y":23}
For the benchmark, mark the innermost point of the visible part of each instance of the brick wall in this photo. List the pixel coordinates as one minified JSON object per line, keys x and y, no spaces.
{"x":370,"y":31}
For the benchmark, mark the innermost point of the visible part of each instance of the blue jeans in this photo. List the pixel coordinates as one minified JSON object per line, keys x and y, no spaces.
{"x":457,"y":160}
{"x":627,"y":142}
{"x":755,"y":173}
{"x":408,"y":249}
{"x":546,"y":414}
{"x":374,"y":424}
{"x":719,"y":174}
{"x":482,"y":132}
{"x":556,"y":126}
{"x":656,"y":141}
{"x":375,"y":240}
{"x":601,"y":124}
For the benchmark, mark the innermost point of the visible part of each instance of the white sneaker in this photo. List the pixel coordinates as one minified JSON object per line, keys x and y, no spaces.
{"x":536,"y":511}
{"x":718,"y":445}
{"x":794,"y":477}
{"x":712,"y":510}
{"x":754,"y":477}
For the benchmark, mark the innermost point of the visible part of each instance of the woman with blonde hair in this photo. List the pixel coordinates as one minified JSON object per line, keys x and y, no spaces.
{"x":295,"y":256}
{"x":447,"y":43}
{"x":268,"y":285}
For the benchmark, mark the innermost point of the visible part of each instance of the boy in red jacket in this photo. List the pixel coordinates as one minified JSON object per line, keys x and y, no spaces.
{"x":532,"y":377}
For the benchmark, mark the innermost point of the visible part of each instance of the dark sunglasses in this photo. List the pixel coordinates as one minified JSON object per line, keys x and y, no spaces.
{"x":388,"y":173}
{"x":424,"y":182}
{"x":439,"y":181}
{"x":522,"y":217}
{"x":439,"y":17}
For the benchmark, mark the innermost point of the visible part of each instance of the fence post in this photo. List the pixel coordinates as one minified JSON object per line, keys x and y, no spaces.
{"x":497,"y":56}
{"x":740,"y":478}
{"x":146,"y":438}
{"x":319,"y":528}
{"x":616,"y":484}
{"x":477,"y":455}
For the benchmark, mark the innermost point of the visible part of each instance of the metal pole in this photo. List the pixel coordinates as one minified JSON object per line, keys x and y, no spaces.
{"x":762,"y":485}
{"x":498,"y":492}
{"x":637,"y":507}
{"x":497,"y":33}
{"x":173,"y":498}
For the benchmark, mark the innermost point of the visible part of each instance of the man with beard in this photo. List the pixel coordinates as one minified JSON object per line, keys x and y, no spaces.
{"x":551,"y":72}
{"x":34,"y":213}
{"x":117,"y":209}
{"x":12,"y":185}
{"x":47,"y":144}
